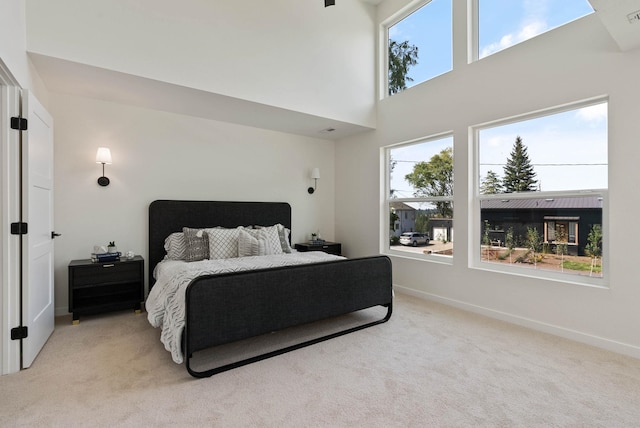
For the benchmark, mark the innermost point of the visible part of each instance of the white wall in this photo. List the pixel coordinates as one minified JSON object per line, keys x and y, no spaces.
{"x":158,"y":155}
{"x":292,"y":54}
{"x":572,"y":63}
{"x":13,"y":45}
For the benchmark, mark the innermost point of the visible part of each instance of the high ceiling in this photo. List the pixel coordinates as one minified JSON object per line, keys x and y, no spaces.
{"x":84,"y":80}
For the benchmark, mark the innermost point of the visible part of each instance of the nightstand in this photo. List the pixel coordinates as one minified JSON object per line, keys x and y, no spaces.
{"x":102,"y":287}
{"x":327,"y":247}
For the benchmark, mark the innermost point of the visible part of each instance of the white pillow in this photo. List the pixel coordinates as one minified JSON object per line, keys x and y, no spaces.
{"x":175,"y":246}
{"x":273,"y":238}
{"x":251,"y":244}
{"x":223,"y":243}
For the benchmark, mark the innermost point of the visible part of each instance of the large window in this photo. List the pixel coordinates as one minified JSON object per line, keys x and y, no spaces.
{"x":541,"y":192}
{"x":420,"y":197}
{"x":504,"y":23}
{"x":420,"y":46}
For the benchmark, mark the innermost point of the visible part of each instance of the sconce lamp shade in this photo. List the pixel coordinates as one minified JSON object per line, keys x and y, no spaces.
{"x":103,"y":156}
{"x":315,"y":174}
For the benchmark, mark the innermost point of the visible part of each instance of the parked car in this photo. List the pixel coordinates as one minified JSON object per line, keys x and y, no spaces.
{"x":414,"y":238}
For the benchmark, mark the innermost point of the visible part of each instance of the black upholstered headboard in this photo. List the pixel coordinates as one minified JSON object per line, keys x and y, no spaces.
{"x":168,"y":216}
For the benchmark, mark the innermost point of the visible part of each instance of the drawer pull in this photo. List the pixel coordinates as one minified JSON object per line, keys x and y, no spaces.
{"x":108,"y":266}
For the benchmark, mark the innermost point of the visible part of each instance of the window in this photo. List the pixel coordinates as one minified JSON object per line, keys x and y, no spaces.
{"x":504,"y":23}
{"x":541,"y":192}
{"x":420,"y":46}
{"x":419,"y":198}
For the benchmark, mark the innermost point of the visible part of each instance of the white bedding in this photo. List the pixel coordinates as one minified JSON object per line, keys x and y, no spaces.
{"x":166,"y":302}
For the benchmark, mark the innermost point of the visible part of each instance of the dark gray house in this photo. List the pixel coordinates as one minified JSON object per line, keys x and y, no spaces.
{"x":562,"y":219}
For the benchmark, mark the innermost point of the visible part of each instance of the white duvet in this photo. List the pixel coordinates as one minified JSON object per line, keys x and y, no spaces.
{"x":166,"y":302}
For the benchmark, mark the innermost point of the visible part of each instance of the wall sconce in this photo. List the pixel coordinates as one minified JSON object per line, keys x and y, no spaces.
{"x":104,"y":157}
{"x":329,"y":3}
{"x":315,"y":174}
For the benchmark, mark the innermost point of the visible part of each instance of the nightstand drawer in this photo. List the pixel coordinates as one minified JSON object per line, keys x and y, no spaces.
{"x":105,"y":272}
{"x":327,"y":247}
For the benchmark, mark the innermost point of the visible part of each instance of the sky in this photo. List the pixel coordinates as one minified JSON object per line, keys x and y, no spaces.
{"x":568,"y":150}
{"x":502,"y":23}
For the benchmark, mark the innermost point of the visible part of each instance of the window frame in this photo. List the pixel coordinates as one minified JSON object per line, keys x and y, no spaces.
{"x":475,"y":226}
{"x":386,"y":200}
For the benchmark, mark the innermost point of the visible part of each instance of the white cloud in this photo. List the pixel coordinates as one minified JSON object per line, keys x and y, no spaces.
{"x":593,"y":114}
{"x":526,"y":31}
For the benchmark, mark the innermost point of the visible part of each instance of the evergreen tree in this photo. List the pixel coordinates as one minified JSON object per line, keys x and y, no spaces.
{"x":518,"y":172}
{"x":401,"y":57}
{"x":594,"y":242}
{"x":491,"y":184}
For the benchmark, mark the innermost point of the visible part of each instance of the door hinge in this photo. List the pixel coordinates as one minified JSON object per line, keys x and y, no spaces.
{"x":19,"y":123}
{"x":18,"y":333}
{"x":19,"y":228}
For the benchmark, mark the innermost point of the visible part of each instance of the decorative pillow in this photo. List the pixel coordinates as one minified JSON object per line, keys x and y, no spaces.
{"x":283,"y":234}
{"x":251,"y":244}
{"x":197,"y":244}
{"x":273,"y":238}
{"x":223,"y":243}
{"x":175,"y":246}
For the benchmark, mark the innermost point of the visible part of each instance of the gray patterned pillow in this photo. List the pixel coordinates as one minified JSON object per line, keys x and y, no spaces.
{"x":283,"y":234}
{"x":223,"y":243}
{"x":197,"y":244}
{"x":175,"y":246}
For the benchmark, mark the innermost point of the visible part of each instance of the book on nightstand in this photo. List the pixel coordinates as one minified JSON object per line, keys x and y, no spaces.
{"x":105,"y":257}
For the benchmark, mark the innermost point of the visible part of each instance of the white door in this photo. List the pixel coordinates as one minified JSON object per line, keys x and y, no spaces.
{"x":37,"y":212}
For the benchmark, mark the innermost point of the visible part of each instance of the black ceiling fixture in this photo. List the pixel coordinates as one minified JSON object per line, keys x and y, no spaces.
{"x":329,"y":3}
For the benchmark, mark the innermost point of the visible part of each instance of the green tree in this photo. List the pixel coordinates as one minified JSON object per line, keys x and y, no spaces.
{"x":519,"y":175}
{"x":402,"y":56}
{"x":435,"y":178}
{"x":491,"y":184}
{"x":393,"y":217}
{"x":534,"y":242}
{"x":594,"y":242}
{"x":422,"y":222}
{"x":509,"y":241}
{"x":392,"y":166}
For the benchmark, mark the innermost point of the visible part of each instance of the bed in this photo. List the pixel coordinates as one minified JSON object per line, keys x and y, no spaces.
{"x":233,"y":305}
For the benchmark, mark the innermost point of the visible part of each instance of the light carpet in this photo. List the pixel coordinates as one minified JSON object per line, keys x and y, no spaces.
{"x":429,"y":366}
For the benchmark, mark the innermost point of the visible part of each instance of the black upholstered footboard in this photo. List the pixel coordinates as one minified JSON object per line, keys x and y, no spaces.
{"x":226,"y":308}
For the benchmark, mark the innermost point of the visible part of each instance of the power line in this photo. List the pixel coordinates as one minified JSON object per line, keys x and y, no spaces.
{"x":551,"y":164}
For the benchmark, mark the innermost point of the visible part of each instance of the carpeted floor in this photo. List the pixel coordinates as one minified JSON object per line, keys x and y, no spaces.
{"x":429,"y":366}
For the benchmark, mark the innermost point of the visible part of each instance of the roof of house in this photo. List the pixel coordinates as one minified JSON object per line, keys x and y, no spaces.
{"x":542,"y":203}
{"x":401,"y":206}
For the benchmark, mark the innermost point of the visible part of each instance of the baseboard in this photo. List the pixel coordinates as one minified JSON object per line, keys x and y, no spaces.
{"x":578,"y":336}
{"x":59,"y":312}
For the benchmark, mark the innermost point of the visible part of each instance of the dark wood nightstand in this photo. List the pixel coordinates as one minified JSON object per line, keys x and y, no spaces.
{"x":327,"y":247}
{"x":101,"y":287}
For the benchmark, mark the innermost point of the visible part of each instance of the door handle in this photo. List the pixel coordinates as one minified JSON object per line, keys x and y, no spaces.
{"x":54,"y":234}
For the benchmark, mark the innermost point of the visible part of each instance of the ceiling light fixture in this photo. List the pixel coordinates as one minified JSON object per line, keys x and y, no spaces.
{"x":329,"y":3}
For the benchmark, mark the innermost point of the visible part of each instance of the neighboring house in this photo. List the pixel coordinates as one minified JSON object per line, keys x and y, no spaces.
{"x":556,"y":220}
{"x":440,"y":229}
{"x":406,"y":221}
